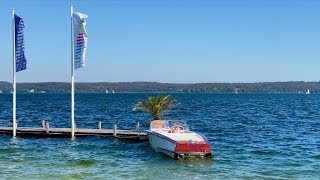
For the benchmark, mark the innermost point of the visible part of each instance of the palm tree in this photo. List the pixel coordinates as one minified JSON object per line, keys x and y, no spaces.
{"x":156,"y":106}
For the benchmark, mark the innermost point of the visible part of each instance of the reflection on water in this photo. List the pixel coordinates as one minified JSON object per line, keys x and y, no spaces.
{"x":200,"y":162}
{"x":14,"y":142}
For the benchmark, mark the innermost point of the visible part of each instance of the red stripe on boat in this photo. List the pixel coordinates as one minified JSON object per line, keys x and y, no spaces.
{"x":189,"y":147}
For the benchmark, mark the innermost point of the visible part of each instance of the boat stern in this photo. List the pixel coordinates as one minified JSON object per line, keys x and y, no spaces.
{"x":183,"y":149}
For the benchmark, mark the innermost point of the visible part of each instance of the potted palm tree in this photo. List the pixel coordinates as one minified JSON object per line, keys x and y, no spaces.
{"x":156,"y":107}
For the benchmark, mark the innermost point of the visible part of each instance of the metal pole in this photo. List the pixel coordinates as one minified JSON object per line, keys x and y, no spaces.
{"x":72,"y":77}
{"x":14,"y":123}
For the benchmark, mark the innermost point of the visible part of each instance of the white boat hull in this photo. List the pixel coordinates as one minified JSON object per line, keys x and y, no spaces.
{"x":160,"y":144}
{"x":178,"y":148}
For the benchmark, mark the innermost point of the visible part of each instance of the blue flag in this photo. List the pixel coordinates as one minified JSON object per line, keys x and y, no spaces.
{"x":21,"y":62}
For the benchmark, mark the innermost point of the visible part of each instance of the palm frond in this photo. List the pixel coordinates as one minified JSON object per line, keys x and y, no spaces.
{"x":156,"y":106}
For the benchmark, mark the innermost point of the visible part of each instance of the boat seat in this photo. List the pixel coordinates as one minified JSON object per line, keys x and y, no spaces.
{"x":157,"y":124}
{"x":176,"y":129}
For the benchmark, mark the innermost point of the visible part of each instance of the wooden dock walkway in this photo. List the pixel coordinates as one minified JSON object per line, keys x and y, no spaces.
{"x":45,"y":131}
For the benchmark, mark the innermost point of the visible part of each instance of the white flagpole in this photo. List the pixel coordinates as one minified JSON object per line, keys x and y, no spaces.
{"x":72,"y":77}
{"x":14,"y":123}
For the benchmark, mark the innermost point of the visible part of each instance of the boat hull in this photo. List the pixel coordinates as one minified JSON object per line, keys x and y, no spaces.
{"x":178,"y":149}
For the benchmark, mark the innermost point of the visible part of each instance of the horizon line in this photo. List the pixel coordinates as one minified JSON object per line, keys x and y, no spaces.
{"x":168,"y":82}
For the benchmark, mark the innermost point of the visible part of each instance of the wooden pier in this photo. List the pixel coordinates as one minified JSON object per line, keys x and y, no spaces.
{"x":46,"y":131}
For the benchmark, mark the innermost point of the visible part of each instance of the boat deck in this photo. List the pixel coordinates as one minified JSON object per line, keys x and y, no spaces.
{"x":181,"y":136}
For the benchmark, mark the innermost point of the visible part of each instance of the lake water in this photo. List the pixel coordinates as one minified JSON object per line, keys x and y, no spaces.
{"x":253,"y":136}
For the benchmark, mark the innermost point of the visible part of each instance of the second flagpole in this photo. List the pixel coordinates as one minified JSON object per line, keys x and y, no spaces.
{"x":72,"y":76}
{"x":14,"y":121}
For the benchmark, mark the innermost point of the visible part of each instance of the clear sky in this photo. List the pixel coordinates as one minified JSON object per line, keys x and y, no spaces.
{"x":168,"y":40}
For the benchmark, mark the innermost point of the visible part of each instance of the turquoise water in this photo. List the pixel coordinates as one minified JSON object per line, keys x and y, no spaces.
{"x":253,"y":136}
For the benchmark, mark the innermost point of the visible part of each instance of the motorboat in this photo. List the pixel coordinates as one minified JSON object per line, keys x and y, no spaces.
{"x":173,"y":138}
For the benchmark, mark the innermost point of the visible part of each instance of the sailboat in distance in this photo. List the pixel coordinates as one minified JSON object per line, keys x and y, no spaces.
{"x":308,"y":91}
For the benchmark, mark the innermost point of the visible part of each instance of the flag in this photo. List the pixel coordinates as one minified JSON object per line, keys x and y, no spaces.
{"x":80,"y":39}
{"x":21,"y":62}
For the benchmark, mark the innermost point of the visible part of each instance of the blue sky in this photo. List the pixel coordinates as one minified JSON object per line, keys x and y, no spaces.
{"x":168,"y":41}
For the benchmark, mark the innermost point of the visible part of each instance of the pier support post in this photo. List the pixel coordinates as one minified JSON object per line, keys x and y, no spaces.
{"x":99,"y":125}
{"x":43,"y":123}
{"x":138,"y":126}
{"x":47,"y":127}
{"x":114,"y":130}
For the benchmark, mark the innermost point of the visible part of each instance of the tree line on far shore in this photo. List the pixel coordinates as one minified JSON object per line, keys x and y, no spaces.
{"x":103,"y":87}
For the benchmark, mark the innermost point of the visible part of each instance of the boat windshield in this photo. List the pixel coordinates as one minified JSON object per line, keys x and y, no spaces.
{"x":167,"y":124}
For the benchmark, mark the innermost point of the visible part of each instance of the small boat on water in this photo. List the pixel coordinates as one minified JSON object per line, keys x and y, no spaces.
{"x":308,"y":91}
{"x":173,"y":138}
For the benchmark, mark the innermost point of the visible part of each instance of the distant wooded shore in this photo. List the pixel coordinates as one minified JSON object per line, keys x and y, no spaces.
{"x":128,"y":87}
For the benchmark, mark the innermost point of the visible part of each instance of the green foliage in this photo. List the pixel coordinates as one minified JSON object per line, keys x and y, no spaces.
{"x":156,"y":106}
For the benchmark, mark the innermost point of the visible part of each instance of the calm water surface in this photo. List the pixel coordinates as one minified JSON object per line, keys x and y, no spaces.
{"x":253,"y":136}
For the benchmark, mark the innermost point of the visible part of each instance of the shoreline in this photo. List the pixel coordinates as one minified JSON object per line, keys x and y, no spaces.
{"x":155,"y":87}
